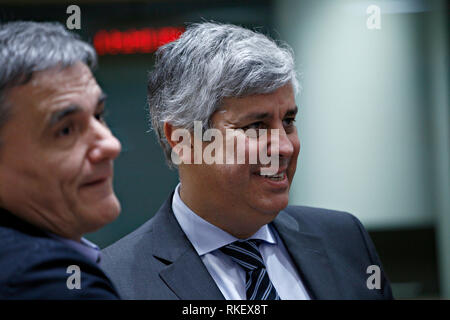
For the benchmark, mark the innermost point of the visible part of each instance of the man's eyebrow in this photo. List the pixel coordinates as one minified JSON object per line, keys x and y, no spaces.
{"x":255,"y":116}
{"x":292,"y":112}
{"x":57,"y":116}
{"x":264,"y":115}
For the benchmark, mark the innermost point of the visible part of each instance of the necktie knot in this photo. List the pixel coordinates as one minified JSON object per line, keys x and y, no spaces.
{"x":245,"y":253}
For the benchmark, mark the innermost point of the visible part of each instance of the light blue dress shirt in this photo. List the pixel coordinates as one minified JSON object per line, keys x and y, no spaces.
{"x":207,"y":239}
{"x":85,"y":247}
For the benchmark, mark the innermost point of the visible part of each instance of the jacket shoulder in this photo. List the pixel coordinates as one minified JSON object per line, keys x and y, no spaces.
{"x":129,"y":244}
{"x":124,"y":247}
{"x":318,"y":219}
{"x":37,"y":267}
{"x":344,"y":240}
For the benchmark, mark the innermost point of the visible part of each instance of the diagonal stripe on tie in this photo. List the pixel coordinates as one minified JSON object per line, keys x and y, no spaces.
{"x":258,"y":285}
{"x":246,"y":254}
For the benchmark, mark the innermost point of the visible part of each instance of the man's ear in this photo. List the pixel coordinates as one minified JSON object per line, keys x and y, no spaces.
{"x":179,"y":140}
{"x":168,"y":129}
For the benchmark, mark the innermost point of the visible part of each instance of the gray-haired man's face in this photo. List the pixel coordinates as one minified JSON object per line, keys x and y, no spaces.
{"x":56,"y":160}
{"x":239,"y":191}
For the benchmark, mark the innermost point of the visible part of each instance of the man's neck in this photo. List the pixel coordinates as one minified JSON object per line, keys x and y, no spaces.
{"x":242,"y":226}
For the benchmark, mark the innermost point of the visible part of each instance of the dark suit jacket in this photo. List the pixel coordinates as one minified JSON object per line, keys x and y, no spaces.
{"x":33,"y":265}
{"x":330,"y":249}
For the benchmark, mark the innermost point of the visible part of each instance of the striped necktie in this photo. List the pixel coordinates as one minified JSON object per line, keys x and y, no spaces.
{"x":258,"y":285}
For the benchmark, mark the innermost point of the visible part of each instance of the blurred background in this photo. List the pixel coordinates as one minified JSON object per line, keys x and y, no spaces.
{"x":373,"y":120}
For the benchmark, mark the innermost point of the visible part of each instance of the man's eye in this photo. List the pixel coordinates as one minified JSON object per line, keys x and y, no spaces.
{"x":65,"y":131}
{"x":100,"y":116}
{"x":289,"y":121}
{"x":256,"y":125}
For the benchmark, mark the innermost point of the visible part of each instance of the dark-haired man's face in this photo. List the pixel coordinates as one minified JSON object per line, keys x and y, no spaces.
{"x":56,"y":158}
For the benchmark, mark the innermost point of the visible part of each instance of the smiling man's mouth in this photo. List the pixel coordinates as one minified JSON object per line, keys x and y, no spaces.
{"x":275,"y":177}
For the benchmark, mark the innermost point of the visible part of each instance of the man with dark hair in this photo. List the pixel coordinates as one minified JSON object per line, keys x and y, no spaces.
{"x":56,"y":165}
{"x":227,"y":232}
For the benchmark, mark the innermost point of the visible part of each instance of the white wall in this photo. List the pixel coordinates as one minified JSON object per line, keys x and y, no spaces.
{"x":364,"y":120}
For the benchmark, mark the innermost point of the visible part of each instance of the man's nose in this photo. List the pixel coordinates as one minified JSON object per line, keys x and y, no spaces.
{"x":105,"y":146}
{"x":280,"y":140}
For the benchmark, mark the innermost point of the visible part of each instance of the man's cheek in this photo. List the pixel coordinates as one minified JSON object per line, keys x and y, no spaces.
{"x":235,"y":147}
{"x":269,"y":152}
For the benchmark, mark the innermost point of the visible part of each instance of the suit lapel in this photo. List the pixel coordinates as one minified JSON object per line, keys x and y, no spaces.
{"x":184,"y":273}
{"x":308,"y":253}
{"x":188,"y":278}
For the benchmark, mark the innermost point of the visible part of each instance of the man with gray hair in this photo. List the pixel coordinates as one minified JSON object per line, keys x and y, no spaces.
{"x":56,"y":165}
{"x":226,"y":232}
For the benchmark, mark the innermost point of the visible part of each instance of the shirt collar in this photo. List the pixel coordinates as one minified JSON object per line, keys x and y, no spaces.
{"x":85,"y":247}
{"x":204,"y":236}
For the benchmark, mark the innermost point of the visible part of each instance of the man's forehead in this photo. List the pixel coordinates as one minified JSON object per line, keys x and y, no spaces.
{"x":255,"y":111}
{"x":54,"y":89}
{"x":60,"y":77}
{"x":282,"y":97}
{"x":65,"y":83}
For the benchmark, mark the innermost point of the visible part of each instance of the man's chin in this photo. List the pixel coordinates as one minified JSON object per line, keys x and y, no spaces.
{"x":111,"y":209}
{"x":104,"y":212}
{"x":273,"y":205}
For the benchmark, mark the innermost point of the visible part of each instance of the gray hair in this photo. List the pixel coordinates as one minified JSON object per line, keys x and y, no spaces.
{"x":208,"y":63}
{"x":27,"y":47}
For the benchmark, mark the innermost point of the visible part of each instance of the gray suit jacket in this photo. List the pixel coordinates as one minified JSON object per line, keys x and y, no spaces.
{"x":330,"y":249}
